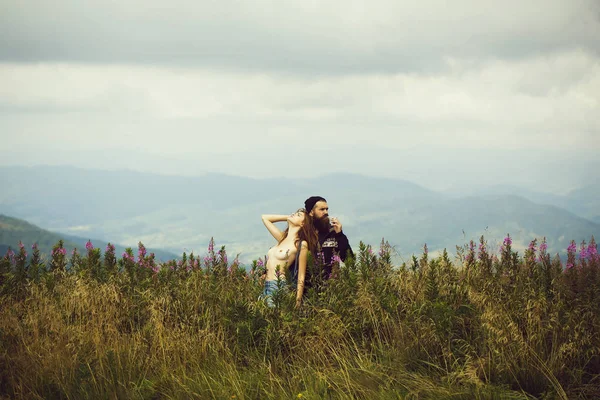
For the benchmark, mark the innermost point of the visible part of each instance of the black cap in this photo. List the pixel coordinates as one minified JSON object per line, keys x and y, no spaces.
{"x":311,"y":201}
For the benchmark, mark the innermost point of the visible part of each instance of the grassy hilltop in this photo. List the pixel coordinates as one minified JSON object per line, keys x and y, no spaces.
{"x":483,"y":325}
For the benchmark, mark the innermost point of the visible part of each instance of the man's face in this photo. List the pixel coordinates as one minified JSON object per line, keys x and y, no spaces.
{"x":320,"y":214}
{"x":320,"y":210}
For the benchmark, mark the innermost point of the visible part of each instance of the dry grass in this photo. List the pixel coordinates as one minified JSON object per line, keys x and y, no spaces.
{"x":433,"y":330}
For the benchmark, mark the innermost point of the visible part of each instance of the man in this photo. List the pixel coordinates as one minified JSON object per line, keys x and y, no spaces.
{"x":331,"y":238}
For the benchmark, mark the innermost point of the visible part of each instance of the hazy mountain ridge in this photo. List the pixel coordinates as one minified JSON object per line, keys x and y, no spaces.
{"x":584,"y":201}
{"x":183,"y":213}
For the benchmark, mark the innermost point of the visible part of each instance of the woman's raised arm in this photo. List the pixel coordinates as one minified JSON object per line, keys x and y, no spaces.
{"x":269,"y":220}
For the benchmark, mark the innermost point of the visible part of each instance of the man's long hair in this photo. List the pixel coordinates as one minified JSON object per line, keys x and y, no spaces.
{"x":307,"y":233}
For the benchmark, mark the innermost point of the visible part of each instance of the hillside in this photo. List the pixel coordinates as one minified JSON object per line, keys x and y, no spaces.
{"x":583,"y":202}
{"x":13,"y":230}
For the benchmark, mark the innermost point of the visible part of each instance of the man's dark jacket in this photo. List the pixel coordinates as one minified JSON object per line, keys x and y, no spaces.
{"x":331,"y":244}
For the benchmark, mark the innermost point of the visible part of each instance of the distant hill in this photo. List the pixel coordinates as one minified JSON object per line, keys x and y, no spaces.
{"x":13,"y":230}
{"x":584,"y":201}
{"x":183,"y":213}
{"x":452,"y":222}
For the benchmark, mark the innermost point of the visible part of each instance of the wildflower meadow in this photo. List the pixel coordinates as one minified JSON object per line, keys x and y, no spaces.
{"x":487,"y":323}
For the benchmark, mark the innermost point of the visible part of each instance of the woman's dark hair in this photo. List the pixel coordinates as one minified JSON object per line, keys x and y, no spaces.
{"x":306,"y":233}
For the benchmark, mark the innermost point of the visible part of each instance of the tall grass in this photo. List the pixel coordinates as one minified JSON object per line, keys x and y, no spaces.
{"x":478,"y":327}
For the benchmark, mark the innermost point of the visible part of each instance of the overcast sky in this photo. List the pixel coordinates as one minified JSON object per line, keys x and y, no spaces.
{"x":443,"y":93}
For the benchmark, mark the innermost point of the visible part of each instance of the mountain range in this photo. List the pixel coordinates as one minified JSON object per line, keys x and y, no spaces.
{"x":179,"y":214}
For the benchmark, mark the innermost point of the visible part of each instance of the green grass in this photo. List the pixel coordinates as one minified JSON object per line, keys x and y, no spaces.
{"x":479,"y":327}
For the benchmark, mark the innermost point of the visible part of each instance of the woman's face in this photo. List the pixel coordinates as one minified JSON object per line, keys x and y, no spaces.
{"x":297,"y":218}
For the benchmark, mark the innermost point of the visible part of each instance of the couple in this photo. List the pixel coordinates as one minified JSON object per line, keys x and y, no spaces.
{"x":309,"y":229}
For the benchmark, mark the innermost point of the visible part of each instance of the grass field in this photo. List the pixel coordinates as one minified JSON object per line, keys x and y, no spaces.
{"x":489,"y":324}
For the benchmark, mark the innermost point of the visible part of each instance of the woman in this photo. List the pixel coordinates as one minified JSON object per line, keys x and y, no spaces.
{"x":292,"y":247}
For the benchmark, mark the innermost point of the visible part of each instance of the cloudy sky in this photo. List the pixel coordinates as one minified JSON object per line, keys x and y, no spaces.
{"x":446,"y":94}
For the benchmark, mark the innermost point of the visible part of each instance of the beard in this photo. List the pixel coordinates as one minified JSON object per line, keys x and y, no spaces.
{"x":322,"y":224}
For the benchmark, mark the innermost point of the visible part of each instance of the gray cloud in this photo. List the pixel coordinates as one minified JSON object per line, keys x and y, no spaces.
{"x":446,"y":93}
{"x":297,"y":36}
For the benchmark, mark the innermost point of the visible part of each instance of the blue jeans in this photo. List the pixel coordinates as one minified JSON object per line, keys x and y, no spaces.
{"x":271,"y":287}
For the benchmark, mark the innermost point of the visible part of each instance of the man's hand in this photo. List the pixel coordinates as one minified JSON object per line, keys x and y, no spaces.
{"x":336,"y":224}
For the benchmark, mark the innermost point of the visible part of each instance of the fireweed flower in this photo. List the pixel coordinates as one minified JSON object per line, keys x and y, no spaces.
{"x":583,"y":252}
{"x":128,"y":257}
{"x":470,"y":256}
{"x":505,"y":244}
{"x":482,"y":251}
{"x":384,"y":249}
{"x":60,"y":251}
{"x":532,"y":247}
{"x":260,"y":263}
{"x":89,"y":246}
{"x":141,"y":252}
{"x":592,"y":251}
{"x":22,"y":249}
{"x":543,"y":249}
{"x":11,"y":256}
{"x":335,"y":259}
{"x":571,"y":254}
